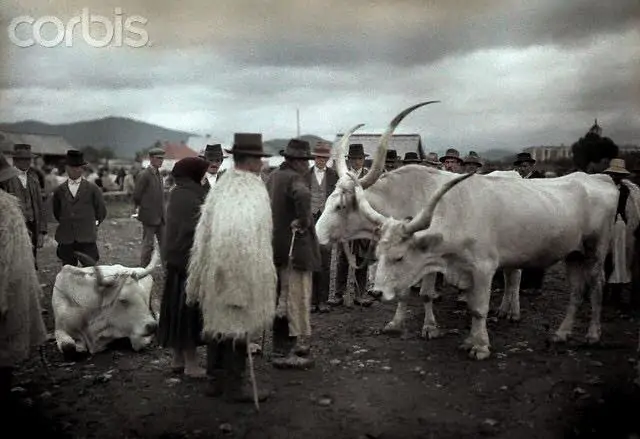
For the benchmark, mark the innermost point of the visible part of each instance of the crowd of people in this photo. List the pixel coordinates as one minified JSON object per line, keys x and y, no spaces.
{"x":269,"y":215}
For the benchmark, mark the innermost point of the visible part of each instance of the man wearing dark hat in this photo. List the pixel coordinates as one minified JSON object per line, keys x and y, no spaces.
{"x":472,"y":162}
{"x":356,"y":158}
{"x":525,"y":165}
{"x":148,"y":196}
{"x":451,"y":161}
{"x":26,"y":187}
{"x":411,"y":158}
{"x":78,"y":206}
{"x":213,"y":154}
{"x":322,"y":182}
{"x":391,"y":161}
{"x":361,"y":248}
{"x":231,"y":274}
{"x":432,"y":160}
{"x":296,"y":254}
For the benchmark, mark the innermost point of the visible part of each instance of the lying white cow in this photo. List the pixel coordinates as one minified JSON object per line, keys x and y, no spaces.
{"x":94,"y":306}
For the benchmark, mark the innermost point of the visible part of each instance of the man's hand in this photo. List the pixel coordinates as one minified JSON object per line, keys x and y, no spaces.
{"x":295,"y":225}
{"x":40,"y":243}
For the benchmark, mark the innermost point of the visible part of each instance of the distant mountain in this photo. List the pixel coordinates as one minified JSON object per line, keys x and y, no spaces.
{"x":125,"y":136}
{"x":274,"y":146}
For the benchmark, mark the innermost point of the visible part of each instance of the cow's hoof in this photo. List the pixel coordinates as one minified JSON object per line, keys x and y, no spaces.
{"x":592,"y":339}
{"x":430,"y":332}
{"x":467,"y":344}
{"x":392,"y":329}
{"x":559,"y":337}
{"x":479,"y":352}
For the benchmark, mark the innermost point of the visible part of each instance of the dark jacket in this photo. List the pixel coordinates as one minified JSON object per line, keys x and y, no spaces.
{"x":14,"y":187}
{"x":183,"y":212}
{"x":291,"y":200}
{"x":149,"y":196}
{"x":77,"y":215}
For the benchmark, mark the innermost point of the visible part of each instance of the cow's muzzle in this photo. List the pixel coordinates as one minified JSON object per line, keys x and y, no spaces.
{"x":150,"y":328}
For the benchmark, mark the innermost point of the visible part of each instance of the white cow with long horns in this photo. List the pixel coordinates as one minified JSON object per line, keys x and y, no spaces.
{"x":481,"y":227}
{"x":400,"y":194}
{"x":95,"y":305}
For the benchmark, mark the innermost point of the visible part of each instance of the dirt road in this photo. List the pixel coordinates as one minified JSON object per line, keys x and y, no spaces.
{"x":365,"y":384}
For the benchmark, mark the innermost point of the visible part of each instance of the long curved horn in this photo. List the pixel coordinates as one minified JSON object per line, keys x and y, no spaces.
{"x":423,"y":220}
{"x":381,"y":154}
{"x":155,"y":260}
{"x":366,"y":208}
{"x":339,"y":151}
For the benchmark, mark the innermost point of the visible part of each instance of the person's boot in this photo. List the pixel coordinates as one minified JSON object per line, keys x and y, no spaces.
{"x":238,"y":388}
{"x":216,"y":385}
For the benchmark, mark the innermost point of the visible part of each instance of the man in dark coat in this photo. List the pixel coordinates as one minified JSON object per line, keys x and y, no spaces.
{"x":361,"y":248}
{"x":391,"y":161}
{"x":26,"y":187}
{"x":79,"y":208}
{"x":532,"y":278}
{"x":149,"y":198}
{"x":322,"y":182}
{"x":296,"y":254}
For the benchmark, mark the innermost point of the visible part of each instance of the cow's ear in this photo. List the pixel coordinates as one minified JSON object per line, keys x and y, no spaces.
{"x":426,"y":240}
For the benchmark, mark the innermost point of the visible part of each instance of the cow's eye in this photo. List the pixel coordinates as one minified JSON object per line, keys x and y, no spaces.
{"x":398,"y":259}
{"x":124,"y":301}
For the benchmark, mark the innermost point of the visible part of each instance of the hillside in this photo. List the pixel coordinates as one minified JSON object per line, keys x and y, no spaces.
{"x":125,"y":136}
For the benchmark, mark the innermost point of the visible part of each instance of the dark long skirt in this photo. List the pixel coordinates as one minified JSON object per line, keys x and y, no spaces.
{"x":180,"y":325}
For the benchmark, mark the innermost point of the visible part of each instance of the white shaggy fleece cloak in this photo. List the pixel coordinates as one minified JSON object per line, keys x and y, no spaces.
{"x":21,"y":325}
{"x":231,"y":273}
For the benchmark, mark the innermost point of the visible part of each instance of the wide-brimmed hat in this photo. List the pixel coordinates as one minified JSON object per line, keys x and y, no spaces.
{"x":524,"y":157}
{"x":472,"y":159}
{"x":213,"y":153}
{"x":356,"y":151}
{"x":411,"y":157}
{"x":392,"y":155}
{"x":297,"y":149}
{"x":75,"y":158}
{"x":6,"y":170}
{"x":432,"y":159}
{"x":322,"y":149}
{"x":247,"y":144}
{"x":156,"y":152}
{"x":451,"y":154}
{"x":22,"y":151}
{"x":617,"y":166}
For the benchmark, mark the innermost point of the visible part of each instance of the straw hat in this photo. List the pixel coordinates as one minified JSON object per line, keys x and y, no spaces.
{"x":617,"y":166}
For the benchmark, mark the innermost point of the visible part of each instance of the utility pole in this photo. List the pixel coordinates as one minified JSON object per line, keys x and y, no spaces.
{"x":298,"y":122}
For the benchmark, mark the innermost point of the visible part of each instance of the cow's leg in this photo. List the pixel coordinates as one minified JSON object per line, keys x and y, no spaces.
{"x":510,"y":306}
{"x":576,"y":280}
{"x":396,"y":325}
{"x":596,"y":280}
{"x":428,"y":293}
{"x":479,"y":297}
{"x":66,"y":343}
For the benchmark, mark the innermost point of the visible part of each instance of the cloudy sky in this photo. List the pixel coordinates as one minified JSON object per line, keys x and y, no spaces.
{"x":509,"y":73}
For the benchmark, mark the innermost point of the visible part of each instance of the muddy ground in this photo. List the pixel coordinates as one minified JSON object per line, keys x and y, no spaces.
{"x":364,"y":385}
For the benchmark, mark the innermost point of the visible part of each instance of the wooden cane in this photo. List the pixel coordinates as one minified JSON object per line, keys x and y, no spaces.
{"x":252,"y":375}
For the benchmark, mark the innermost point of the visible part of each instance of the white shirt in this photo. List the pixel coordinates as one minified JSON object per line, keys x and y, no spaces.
{"x":212,"y":178}
{"x":320,"y":173}
{"x":22,"y":176}
{"x":358,"y":172}
{"x":74,"y":185}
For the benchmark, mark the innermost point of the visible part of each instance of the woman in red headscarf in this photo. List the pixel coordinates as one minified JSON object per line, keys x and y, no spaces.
{"x":180,"y":325}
